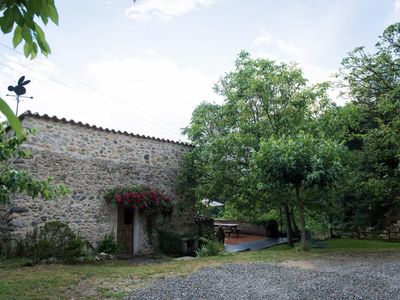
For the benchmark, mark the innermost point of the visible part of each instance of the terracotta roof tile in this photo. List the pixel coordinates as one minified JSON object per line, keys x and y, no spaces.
{"x":28,"y":113}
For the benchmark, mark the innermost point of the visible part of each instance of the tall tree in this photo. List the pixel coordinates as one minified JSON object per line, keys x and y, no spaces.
{"x":372,"y":81}
{"x":262,"y":99}
{"x":300,"y":161}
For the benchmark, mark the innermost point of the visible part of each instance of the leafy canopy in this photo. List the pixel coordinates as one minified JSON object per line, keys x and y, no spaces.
{"x":21,"y":17}
{"x":301,"y":160}
{"x":372,"y":81}
{"x":262,"y":99}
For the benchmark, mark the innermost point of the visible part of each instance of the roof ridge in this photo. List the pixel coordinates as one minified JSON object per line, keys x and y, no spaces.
{"x":28,"y":113}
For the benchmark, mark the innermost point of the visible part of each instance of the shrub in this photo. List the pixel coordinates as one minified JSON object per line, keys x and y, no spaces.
{"x":54,"y":240}
{"x":24,"y":247}
{"x":108,"y":244}
{"x":21,"y":248}
{"x":170,"y":243}
{"x":6,"y":249}
{"x":210,"y":248}
{"x":73,"y":250}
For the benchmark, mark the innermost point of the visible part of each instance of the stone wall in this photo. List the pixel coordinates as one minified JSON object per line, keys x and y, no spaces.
{"x":244,"y":227}
{"x":90,"y":161}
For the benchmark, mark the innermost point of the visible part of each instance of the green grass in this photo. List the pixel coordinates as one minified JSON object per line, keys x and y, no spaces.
{"x":376,"y":245}
{"x":114,"y":280}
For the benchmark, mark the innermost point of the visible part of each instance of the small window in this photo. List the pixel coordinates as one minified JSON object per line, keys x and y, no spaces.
{"x":128,"y":216}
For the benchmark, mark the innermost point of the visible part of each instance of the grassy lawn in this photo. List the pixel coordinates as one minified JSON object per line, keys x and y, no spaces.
{"x":114,"y":280}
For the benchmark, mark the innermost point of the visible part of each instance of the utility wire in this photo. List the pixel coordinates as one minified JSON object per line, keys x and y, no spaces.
{"x":93,"y":100}
{"x":93,"y":88}
{"x":154,"y":125}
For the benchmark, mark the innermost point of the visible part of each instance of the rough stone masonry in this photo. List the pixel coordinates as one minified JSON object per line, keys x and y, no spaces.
{"x":90,"y":160}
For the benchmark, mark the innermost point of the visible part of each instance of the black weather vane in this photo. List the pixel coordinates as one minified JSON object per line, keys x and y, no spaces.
{"x":19,"y":90}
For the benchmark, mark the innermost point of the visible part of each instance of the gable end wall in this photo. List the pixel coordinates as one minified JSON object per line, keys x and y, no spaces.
{"x":89,"y":162}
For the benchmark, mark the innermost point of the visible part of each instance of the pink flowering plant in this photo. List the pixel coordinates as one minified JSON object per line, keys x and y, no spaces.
{"x":140,"y":197}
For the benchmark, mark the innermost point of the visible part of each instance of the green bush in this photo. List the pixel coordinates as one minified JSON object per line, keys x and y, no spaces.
{"x":170,"y":243}
{"x":6,"y":249}
{"x":20,"y":247}
{"x":74,"y":249}
{"x":108,"y":244}
{"x":54,"y":240}
{"x":210,"y":248}
{"x":24,"y":247}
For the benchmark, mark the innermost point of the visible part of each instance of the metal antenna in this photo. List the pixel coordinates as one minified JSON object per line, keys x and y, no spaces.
{"x":19,"y":90}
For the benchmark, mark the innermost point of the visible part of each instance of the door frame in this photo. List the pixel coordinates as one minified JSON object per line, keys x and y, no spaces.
{"x":125,"y":230}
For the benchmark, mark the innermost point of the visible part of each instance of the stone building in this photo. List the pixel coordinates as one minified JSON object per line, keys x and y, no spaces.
{"x":91,"y":160}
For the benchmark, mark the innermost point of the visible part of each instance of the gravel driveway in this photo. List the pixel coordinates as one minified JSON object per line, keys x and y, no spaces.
{"x":338,"y":277}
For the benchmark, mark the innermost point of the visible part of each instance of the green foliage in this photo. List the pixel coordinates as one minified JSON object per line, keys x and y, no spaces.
{"x":108,"y":244}
{"x":148,"y":201}
{"x":170,"y":243}
{"x":257,"y":215}
{"x":276,"y":137}
{"x":6,"y":250}
{"x":371,"y":80}
{"x":103,"y":278}
{"x":262,"y":99}
{"x":54,"y":240}
{"x":24,"y":246}
{"x":15,"y":123}
{"x":210,"y":248}
{"x":74,"y":249}
{"x":21,"y":18}
{"x":301,"y":160}
{"x":20,"y":181}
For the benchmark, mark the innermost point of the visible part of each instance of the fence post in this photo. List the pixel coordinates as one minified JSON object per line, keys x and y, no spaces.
{"x":389,"y":235}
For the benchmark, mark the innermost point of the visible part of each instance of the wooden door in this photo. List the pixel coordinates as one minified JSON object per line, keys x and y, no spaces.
{"x":125,"y":230}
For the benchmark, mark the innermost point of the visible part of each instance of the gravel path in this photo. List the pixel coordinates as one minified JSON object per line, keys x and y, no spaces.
{"x":367,"y":277}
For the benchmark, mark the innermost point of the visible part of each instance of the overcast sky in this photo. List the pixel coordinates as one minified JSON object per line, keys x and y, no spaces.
{"x":144,"y":67}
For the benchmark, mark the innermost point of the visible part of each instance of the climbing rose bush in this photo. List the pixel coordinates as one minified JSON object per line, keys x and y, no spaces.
{"x":140,"y":197}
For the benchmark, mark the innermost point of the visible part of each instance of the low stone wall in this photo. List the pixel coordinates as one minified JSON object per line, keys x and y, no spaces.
{"x":245,"y":228}
{"x":90,"y":161}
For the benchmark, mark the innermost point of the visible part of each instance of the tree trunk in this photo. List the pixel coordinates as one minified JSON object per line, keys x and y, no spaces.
{"x":295,"y":228}
{"x":289,"y":231}
{"x":300,"y":207}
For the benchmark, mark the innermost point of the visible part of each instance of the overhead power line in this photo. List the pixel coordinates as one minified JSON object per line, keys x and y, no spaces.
{"x":70,"y":88}
{"x":70,"y":77}
{"x":95,"y":101}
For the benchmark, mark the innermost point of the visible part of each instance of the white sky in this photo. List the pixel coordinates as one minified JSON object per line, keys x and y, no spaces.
{"x":144,"y":67}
